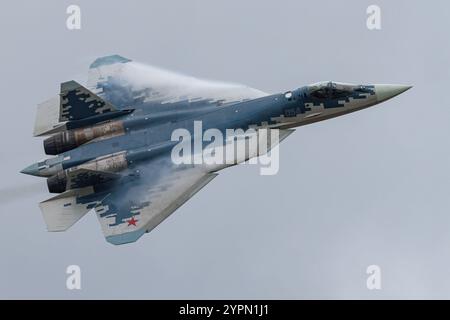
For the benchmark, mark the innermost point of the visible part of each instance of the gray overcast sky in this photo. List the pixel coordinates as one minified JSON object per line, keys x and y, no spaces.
{"x":368,"y":188}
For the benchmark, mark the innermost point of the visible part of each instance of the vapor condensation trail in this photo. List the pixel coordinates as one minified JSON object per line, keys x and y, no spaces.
{"x":12,"y":193}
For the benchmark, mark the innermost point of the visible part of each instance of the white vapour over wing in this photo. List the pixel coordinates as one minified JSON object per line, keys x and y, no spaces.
{"x":163,"y":85}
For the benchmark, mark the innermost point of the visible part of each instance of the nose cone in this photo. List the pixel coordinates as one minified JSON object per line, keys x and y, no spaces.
{"x":32,"y":170}
{"x":388,"y":91}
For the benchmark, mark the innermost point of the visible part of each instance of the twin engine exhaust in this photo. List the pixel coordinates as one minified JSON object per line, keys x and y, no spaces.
{"x":91,"y":173}
{"x":70,"y":139}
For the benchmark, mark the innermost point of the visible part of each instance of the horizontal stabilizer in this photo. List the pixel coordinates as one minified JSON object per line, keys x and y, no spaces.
{"x":47,"y":118}
{"x":62,"y":211}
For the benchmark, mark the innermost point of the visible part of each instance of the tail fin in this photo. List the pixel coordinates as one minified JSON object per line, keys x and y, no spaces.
{"x":75,"y":107}
{"x":79,"y":103}
{"x":62,"y":211}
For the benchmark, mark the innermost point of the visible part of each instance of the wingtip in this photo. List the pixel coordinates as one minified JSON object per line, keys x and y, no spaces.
{"x":111,"y":59}
{"x":125,"y":238}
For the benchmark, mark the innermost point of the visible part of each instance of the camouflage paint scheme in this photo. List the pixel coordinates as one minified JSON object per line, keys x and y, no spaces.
{"x":115,"y":135}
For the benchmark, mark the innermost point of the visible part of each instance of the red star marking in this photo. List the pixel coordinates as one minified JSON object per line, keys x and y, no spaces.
{"x":132,"y":221}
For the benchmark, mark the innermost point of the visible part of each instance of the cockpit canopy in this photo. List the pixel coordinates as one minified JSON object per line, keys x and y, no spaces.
{"x":331,"y":90}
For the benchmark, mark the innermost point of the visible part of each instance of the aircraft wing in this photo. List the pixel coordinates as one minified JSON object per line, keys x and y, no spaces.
{"x":132,"y":202}
{"x":124,"y":82}
{"x":146,"y":197}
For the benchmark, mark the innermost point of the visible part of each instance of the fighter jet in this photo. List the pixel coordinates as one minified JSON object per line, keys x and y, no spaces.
{"x":112,"y":142}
